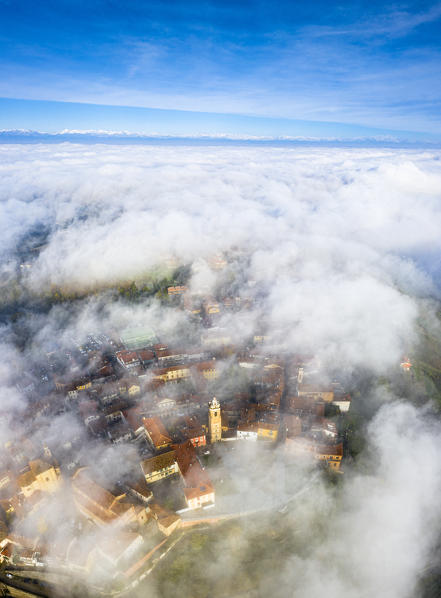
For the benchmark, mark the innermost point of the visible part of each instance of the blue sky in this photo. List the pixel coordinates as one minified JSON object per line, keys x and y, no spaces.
{"x":367,"y":64}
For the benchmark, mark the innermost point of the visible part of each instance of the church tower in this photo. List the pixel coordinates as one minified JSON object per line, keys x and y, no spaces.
{"x":214,"y":421}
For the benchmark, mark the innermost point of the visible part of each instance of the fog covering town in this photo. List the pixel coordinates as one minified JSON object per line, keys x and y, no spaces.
{"x":333,"y":254}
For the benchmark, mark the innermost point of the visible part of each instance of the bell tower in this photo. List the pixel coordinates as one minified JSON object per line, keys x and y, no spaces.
{"x":214,"y":420}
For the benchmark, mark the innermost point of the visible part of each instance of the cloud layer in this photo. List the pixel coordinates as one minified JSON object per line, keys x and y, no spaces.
{"x":337,"y":248}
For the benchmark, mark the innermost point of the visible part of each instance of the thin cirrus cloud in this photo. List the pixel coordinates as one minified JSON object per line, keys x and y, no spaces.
{"x":351,"y":63}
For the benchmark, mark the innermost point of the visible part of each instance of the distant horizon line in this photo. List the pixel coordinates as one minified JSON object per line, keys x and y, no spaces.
{"x":55,"y":119}
{"x":108,"y":136}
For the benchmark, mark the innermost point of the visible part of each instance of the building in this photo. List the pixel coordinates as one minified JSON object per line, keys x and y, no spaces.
{"x":40,"y":476}
{"x":179,"y":290}
{"x":332,"y":454}
{"x":211,"y":307}
{"x":207,"y":369}
{"x":137,"y":338}
{"x":146,"y":357}
{"x":214,"y":421}
{"x":405,"y":364}
{"x":128,"y":359}
{"x":98,"y":504}
{"x":159,"y":467}
{"x":166,"y":520}
{"x":316,"y":392}
{"x":342,"y":402}
{"x":246,"y":432}
{"x":156,"y":433}
{"x":172,"y":374}
{"x":198,"y":489}
{"x":267,"y":430}
{"x":192,"y":430}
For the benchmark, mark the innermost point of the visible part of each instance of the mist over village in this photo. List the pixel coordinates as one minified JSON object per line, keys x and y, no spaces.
{"x":220,"y":317}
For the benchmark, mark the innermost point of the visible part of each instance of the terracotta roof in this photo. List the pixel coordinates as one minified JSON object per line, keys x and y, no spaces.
{"x":146,"y":355}
{"x":95,"y":498}
{"x":134,"y":417}
{"x":165,"y":517}
{"x":127,"y":357}
{"x":196,"y":479}
{"x":156,"y":431}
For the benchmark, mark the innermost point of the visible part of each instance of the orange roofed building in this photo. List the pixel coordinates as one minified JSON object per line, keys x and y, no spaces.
{"x":156,"y":432}
{"x":98,"y":504}
{"x":198,"y":489}
{"x":179,"y":290}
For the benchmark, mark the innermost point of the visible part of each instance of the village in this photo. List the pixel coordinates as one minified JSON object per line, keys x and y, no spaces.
{"x":132,"y":391}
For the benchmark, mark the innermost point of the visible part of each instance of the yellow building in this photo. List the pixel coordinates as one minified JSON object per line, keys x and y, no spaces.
{"x":172,"y":374}
{"x":133,"y":390}
{"x":212,"y":308}
{"x":214,"y":421}
{"x":159,"y":467}
{"x":39,"y":476}
{"x":267,"y":431}
{"x":332,"y":454}
{"x":83,"y":385}
{"x":207,"y":369}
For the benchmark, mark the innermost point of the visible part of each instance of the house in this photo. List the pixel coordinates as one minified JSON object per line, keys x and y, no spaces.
{"x":406,"y":364}
{"x":128,"y":359}
{"x":306,"y":405}
{"x":192,"y":430}
{"x":21,"y":549}
{"x":198,"y":489}
{"x":166,"y":520}
{"x":332,"y":454}
{"x":172,"y":373}
{"x":39,"y":476}
{"x":146,"y":357}
{"x":211,"y":307}
{"x":316,"y":392}
{"x":343,"y":402}
{"x":108,"y":393}
{"x":159,"y":467}
{"x":134,"y":417}
{"x":179,"y":290}
{"x":166,"y":406}
{"x":207,"y":369}
{"x":119,"y":432}
{"x":246,"y":432}
{"x":98,"y":504}
{"x":88,"y":411}
{"x":156,"y":433}
{"x":267,"y":430}
{"x":138,"y":489}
